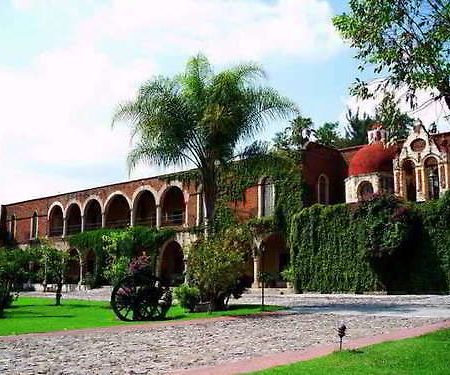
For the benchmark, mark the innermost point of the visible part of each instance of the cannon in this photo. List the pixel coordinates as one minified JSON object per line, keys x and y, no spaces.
{"x":140,"y":297}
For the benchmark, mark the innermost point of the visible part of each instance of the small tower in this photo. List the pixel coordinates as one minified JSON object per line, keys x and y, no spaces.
{"x":377,"y":134}
{"x":370,"y":169}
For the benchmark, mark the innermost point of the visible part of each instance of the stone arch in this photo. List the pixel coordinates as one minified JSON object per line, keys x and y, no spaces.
{"x":409,"y":180}
{"x":171,"y":263}
{"x":273,"y":259}
{"x":117,"y":210}
{"x":323,"y":189}
{"x":74,"y":267}
{"x":56,"y":219}
{"x":173,"y":206}
{"x":365,"y":191}
{"x":144,"y":207}
{"x":89,"y":200}
{"x":73,"y":218}
{"x":92,"y":213}
{"x":431,"y":170}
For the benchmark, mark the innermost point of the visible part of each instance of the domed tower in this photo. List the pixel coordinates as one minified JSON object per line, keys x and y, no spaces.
{"x":370,"y":170}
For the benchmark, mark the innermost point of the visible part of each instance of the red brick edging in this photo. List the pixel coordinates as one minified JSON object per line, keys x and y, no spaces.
{"x":278,"y":359}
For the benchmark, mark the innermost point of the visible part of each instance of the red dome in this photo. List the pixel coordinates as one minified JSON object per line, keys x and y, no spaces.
{"x":375,"y":157}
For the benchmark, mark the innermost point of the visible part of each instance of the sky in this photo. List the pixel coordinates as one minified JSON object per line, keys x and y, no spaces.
{"x":65,"y":65}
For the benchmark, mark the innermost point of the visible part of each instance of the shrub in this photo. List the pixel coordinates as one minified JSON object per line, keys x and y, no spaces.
{"x":216,"y":265}
{"x":187,"y":296}
{"x":13,"y":272}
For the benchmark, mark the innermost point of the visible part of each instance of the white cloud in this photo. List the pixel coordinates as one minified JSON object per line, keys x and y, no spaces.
{"x":56,"y":110}
{"x":433,"y":112}
{"x":224,"y":30}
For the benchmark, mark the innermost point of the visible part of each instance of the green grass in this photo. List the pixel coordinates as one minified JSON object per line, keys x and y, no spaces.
{"x":31,"y":315}
{"x":429,"y":354}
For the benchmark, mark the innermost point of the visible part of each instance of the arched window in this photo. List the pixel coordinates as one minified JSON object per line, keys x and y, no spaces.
{"x":34,"y":226}
{"x":268,"y":197}
{"x":73,"y":217}
{"x":323,"y":189}
{"x":409,"y":177}
{"x":117,"y":212}
{"x":56,"y":221}
{"x":173,"y":207}
{"x":12,"y":227}
{"x":432,"y":176}
{"x":92,"y":215}
{"x":365,"y":191}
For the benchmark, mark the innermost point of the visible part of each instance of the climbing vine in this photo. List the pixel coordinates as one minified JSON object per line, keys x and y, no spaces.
{"x":112,"y":244}
{"x":284,"y":172}
{"x":382,"y":245}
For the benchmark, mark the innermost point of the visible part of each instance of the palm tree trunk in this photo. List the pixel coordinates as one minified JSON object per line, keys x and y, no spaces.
{"x":210,"y":196}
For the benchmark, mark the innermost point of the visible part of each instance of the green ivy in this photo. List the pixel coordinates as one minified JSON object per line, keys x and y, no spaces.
{"x":110,"y":244}
{"x":283,"y":170}
{"x":381,"y":245}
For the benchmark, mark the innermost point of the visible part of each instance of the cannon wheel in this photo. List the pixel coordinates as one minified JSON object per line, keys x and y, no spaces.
{"x":138,"y":297}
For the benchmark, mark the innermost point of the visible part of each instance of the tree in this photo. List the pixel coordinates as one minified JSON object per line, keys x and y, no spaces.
{"x":394,"y":120}
{"x":294,"y":136}
{"x":328,"y":134}
{"x":215,"y":265}
{"x":199,"y":117}
{"x":408,"y":40}
{"x":356,"y":129}
{"x":53,"y":267}
{"x":13,"y":270}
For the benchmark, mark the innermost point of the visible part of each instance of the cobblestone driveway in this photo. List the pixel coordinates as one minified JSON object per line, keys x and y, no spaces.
{"x":155,"y":350}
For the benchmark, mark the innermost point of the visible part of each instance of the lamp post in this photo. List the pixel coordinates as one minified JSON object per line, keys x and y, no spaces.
{"x":262,"y":274}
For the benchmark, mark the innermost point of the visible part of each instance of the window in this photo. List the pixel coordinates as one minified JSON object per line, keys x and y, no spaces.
{"x":323,"y":189}
{"x":432,"y":178}
{"x":200,"y":207}
{"x":12,"y":227}
{"x":34,"y":226}
{"x":268,"y":197}
{"x":365,"y":191}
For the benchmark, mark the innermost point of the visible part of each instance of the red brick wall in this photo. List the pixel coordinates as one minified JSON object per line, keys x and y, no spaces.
{"x":248,"y":206}
{"x":319,"y":160}
{"x":24,"y":210}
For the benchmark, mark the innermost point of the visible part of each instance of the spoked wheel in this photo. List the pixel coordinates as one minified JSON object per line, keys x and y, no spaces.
{"x":139,"y":297}
{"x":124,"y":299}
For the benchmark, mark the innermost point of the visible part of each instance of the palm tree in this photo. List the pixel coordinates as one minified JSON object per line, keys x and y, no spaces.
{"x":199,"y":118}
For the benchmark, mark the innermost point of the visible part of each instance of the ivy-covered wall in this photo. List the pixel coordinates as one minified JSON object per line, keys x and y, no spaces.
{"x":237,"y":181}
{"x":382,"y":245}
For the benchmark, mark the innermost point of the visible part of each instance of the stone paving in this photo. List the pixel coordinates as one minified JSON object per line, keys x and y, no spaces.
{"x":162,"y":349}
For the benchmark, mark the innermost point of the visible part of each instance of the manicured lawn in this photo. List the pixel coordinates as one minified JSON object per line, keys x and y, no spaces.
{"x":29,"y":314}
{"x":429,"y":354}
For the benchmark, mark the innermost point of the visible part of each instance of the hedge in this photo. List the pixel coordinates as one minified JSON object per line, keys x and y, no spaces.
{"x":381,"y":245}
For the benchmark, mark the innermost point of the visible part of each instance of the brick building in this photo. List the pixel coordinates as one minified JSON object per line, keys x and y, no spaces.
{"x":415,"y":169}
